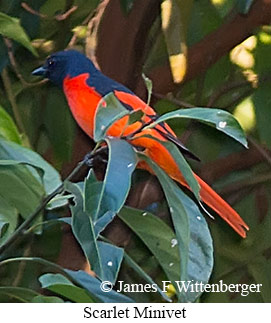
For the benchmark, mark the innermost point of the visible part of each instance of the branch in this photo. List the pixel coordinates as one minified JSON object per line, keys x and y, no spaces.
{"x":30,"y":219}
{"x":245,"y":159}
{"x":210,"y":49}
{"x":12,"y":100}
{"x":252,"y":181}
{"x":59,"y":17}
{"x":173,"y":100}
{"x":93,"y":25}
{"x":225,"y":88}
{"x":14,"y":65}
{"x":264,"y":152}
{"x":48,"y":198}
{"x":238,"y":99}
{"x":66,"y":14}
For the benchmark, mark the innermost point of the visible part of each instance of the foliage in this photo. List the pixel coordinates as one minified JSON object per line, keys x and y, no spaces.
{"x":166,"y":239}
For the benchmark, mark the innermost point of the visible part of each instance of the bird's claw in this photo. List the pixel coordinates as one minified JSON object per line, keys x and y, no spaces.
{"x":88,"y":160}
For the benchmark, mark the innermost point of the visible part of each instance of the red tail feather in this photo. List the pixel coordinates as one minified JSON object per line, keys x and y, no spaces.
{"x":222,"y":208}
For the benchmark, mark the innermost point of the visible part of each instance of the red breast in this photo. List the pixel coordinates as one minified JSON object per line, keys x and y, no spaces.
{"x":83,"y":101}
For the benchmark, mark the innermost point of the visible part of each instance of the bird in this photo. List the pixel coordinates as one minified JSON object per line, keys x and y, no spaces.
{"x":84,"y":87}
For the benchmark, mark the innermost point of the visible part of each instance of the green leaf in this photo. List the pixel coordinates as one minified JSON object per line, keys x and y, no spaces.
{"x":58,"y":201}
{"x":122,"y":161}
{"x":8,"y":128}
{"x":102,"y":222}
{"x":112,"y":195}
{"x":49,"y":223}
{"x":10,"y":27}
{"x":157,"y":236}
{"x":8,"y":219}
{"x":83,"y":229}
{"x":3,"y":227}
{"x":20,"y":188}
{"x":182,"y":164}
{"x":194,"y":239}
{"x":109,"y":110}
{"x":178,"y":213}
{"x":38,"y":260}
{"x":244,"y":6}
{"x":195,"y":243}
{"x":105,"y":259}
{"x":46,"y":299}
{"x":93,"y":190}
{"x":12,"y":151}
{"x":130,"y":262}
{"x":20,"y":294}
{"x":93,"y":286}
{"x":204,"y":19}
{"x":220,"y":119}
{"x":59,"y":284}
{"x":111,"y":258}
{"x":80,"y":278}
{"x":200,"y":262}
{"x":148,"y":84}
{"x":135,"y":116}
{"x":61,"y":134}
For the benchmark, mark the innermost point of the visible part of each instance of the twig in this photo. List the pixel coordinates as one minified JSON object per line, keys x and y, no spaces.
{"x":92,"y":20}
{"x":260,"y":149}
{"x":186,"y":134}
{"x":191,"y":127}
{"x":238,"y":99}
{"x":42,"y":261}
{"x":26,"y":223}
{"x":43,"y":204}
{"x":13,"y":63}
{"x":74,"y":37}
{"x":59,"y":17}
{"x":33,"y":11}
{"x":11,"y":98}
{"x":225,"y":89}
{"x":66,"y":14}
{"x":93,"y":26}
{"x":86,"y":161}
{"x":229,"y":86}
{"x":21,"y":267}
{"x":140,"y":129}
{"x":237,"y":186}
{"x":173,"y":100}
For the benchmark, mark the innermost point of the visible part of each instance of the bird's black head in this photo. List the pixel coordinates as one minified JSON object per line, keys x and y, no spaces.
{"x":65,"y":63}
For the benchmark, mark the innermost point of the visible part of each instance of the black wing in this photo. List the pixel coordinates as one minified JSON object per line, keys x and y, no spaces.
{"x":167,"y":135}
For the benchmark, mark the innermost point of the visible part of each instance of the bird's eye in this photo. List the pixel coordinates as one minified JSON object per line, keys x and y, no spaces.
{"x":51,"y":62}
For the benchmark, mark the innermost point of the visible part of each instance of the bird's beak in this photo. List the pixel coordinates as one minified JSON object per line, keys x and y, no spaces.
{"x":41,"y":71}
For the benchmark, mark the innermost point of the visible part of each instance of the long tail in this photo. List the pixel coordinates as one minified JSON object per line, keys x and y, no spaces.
{"x":222,"y":208}
{"x":163,"y":158}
